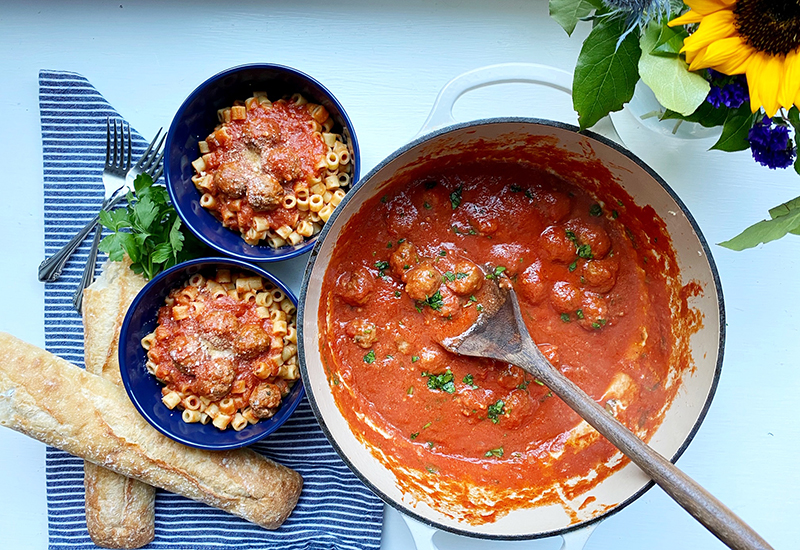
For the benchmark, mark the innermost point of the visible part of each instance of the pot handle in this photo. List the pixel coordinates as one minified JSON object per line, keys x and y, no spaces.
{"x":441,"y":114}
{"x":423,"y":535}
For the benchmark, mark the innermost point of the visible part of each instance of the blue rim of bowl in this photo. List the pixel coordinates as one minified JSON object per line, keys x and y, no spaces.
{"x":405,"y":508}
{"x":284,"y":413}
{"x":291,"y":252}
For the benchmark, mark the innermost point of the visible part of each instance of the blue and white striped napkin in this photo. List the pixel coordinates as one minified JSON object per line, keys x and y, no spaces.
{"x":335,"y":509}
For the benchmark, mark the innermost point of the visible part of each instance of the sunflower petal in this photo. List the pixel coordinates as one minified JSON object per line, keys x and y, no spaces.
{"x":790,"y":87}
{"x":687,"y":18}
{"x":728,"y":56}
{"x":708,"y":6}
{"x":714,"y":27}
{"x":764,"y":80}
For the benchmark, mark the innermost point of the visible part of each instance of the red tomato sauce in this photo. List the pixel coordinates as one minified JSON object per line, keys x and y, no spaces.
{"x":488,"y":438}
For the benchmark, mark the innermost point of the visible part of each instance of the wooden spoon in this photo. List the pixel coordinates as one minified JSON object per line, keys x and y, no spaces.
{"x":499,"y":333}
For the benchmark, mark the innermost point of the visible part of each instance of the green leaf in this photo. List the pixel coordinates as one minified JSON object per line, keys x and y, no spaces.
{"x":674,"y":86}
{"x":175,"y":236}
{"x":161,"y":253}
{"x":784,"y":209}
{"x":112,"y":246}
{"x":670,"y":41}
{"x":141,"y":184}
{"x":115,"y":220}
{"x":144,"y":213}
{"x":794,"y":120}
{"x":131,"y":247}
{"x":706,"y":115}
{"x":567,"y":13}
{"x":767,"y":230}
{"x":606,"y":72}
{"x":735,"y":131}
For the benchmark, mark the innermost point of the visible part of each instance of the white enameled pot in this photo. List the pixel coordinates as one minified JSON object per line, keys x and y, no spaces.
{"x":442,"y":136}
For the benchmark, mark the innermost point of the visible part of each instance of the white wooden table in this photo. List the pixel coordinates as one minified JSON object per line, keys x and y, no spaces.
{"x":386,"y":61}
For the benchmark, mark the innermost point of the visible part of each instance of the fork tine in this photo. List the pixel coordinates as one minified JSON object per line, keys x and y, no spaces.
{"x":108,"y":140}
{"x":146,"y":154}
{"x":158,"y":155}
{"x":130,"y":147}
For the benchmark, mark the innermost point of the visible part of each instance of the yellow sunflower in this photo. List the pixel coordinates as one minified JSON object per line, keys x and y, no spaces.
{"x":758,"y":38}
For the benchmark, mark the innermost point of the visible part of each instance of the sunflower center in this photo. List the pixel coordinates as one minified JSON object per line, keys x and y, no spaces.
{"x":769,"y":26}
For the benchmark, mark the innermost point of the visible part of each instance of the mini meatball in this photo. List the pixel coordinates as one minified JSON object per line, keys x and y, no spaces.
{"x":519,"y":407}
{"x":550,"y":351}
{"x":401,"y":215}
{"x":510,"y":377}
{"x":466,"y":278}
{"x":281,"y":162}
{"x":261,"y":132}
{"x":554,"y":205}
{"x":362,"y":332}
{"x":591,"y":234}
{"x":423,"y":281}
{"x":264,"y":192}
{"x":402,"y":259}
{"x":557,"y":245}
{"x":531,"y":284}
{"x":565,"y":297}
{"x":219,"y":327}
{"x":265,"y":399}
{"x":215,"y":377}
{"x":474,"y":403}
{"x":231,"y":178}
{"x":355,"y":288}
{"x":187,"y":353}
{"x":594,"y":311}
{"x":251,"y":341}
{"x":600,"y":275}
{"x":450,"y":304}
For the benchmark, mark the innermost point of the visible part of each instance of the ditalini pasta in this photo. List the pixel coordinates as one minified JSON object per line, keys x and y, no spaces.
{"x":225,"y":348}
{"x":273,"y":171}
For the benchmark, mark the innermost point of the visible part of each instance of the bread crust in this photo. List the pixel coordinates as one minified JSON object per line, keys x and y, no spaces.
{"x":120,"y":511}
{"x":53,"y":401}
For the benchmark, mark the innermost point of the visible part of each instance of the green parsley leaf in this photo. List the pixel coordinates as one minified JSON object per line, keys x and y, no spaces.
{"x":585,"y":251}
{"x":496,"y":273}
{"x":467,"y":379}
{"x":495,"y":411}
{"x":443,"y":382}
{"x":573,"y":266}
{"x":515,"y":188}
{"x":455,"y":197}
{"x":596,"y":210}
{"x":370,"y":356}
{"x":415,"y":435}
{"x":435,"y":302}
{"x":565,"y":317}
{"x":382,"y":266}
{"x":414,"y":358}
{"x":427,"y":205}
{"x":498,"y":452}
{"x":579,"y":314}
{"x":396,"y":293}
{"x":571,"y":236}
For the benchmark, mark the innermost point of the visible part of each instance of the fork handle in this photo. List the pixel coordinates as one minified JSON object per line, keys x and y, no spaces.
{"x":50,"y":269}
{"x":88,"y":271}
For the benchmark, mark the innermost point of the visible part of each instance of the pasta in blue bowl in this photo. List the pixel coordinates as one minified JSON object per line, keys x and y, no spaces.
{"x":208,"y":353}
{"x":256,"y":160}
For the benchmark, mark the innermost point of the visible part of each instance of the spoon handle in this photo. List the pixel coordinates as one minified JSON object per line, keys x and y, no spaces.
{"x":713,"y":514}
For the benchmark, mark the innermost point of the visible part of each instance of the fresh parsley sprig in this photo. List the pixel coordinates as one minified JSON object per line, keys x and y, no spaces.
{"x":148,"y":230}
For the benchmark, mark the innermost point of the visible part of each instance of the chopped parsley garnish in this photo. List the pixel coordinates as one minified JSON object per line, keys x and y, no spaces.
{"x":381,"y":267}
{"x":470,"y":381}
{"x":565,"y":317}
{"x":414,"y":435}
{"x":443,"y":253}
{"x":524,"y":385}
{"x":614,"y":214}
{"x":427,"y":205}
{"x":571,"y":236}
{"x":443,"y":382}
{"x":515,"y":188}
{"x":370,"y":357}
{"x":573,"y":266}
{"x":596,"y":210}
{"x":389,"y":244}
{"x":455,"y":197}
{"x":400,"y":241}
{"x":479,"y":308}
{"x":539,"y":382}
{"x":585,"y":251}
{"x":450,"y":276}
{"x":599,"y":323}
{"x":428,"y":425}
{"x":529,"y":194}
{"x":414,"y":358}
{"x":410,"y":390}
{"x":472,"y":298}
{"x":498,"y":452}
{"x":384,"y":199}
{"x":496,"y":273}
{"x":579,"y":313}
{"x":396,"y":293}
{"x":435,"y":302}
{"x":430,"y":184}
{"x":494,"y":411}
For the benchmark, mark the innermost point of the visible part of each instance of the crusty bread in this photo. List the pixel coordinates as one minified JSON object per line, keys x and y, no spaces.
{"x":51,"y":400}
{"x":119,"y":510}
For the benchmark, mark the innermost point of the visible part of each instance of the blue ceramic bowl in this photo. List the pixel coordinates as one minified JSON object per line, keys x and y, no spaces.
{"x":197,"y":118}
{"x":145,"y":390}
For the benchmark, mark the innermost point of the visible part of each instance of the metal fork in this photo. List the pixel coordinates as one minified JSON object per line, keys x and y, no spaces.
{"x":150,"y":163}
{"x":117,"y":154}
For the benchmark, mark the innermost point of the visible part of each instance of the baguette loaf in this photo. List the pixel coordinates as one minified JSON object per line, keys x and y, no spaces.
{"x":51,"y":400}
{"x":119,"y":510}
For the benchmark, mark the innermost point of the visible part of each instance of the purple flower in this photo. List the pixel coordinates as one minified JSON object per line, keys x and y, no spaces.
{"x":770,"y":144}
{"x":730,"y":91}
